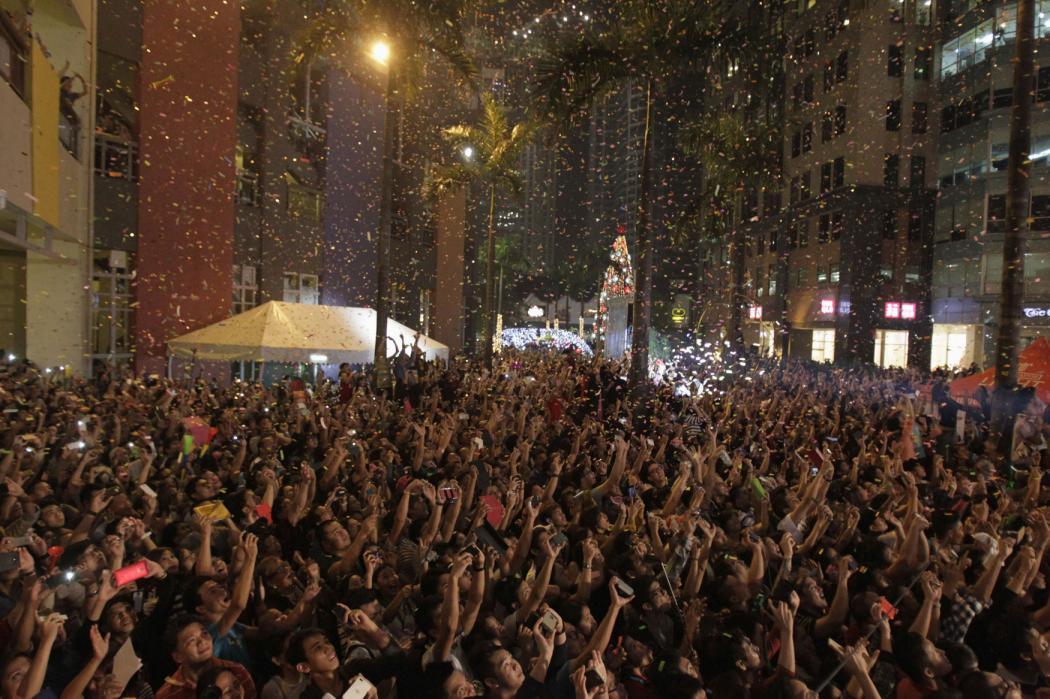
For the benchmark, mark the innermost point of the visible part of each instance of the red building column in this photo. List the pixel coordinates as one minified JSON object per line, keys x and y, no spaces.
{"x":187,"y":177}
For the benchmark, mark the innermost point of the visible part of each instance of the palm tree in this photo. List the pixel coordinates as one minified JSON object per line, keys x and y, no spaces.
{"x":651,"y":44}
{"x":410,"y":31}
{"x":491,"y":162}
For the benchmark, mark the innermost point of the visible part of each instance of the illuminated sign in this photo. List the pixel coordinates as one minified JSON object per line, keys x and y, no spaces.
{"x":827,"y":306}
{"x":755,"y":313}
{"x":1036,"y":312}
{"x":900,"y":310}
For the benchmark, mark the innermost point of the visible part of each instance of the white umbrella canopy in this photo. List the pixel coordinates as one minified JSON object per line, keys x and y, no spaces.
{"x":298,"y":333}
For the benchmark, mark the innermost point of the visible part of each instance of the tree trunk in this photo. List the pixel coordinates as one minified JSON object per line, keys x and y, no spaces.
{"x":737,"y":260}
{"x":643,"y":282}
{"x":381,"y":366}
{"x":1015,"y":240}
{"x":490,"y":274}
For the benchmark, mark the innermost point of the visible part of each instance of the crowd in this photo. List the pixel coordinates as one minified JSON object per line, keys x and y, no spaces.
{"x":533,"y":531}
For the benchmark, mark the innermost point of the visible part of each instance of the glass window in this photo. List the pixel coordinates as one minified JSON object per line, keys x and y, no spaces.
{"x":1037,"y":273}
{"x":823,"y":233}
{"x":918,"y":117}
{"x":895,"y":60}
{"x":1040,"y":212}
{"x":923,"y":12}
{"x":1042,"y":93}
{"x":822,"y":274}
{"x":996,"y":217}
{"x":889,"y":225}
{"x":807,"y":137}
{"x":842,"y":66}
{"x":891,"y":170}
{"x":837,"y":225}
{"x":826,"y":128}
{"x":840,"y":120}
{"x":918,"y":171}
{"x":825,"y":177}
{"x":893,"y":115}
{"x":833,"y":273}
{"x":839,"y":169}
{"x":823,"y":346}
{"x":1003,"y":97}
{"x":807,"y":89}
{"x":829,"y":76}
{"x":923,"y":62}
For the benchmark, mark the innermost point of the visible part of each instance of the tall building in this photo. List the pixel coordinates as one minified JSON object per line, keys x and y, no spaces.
{"x":975,"y":48}
{"x":257,"y":180}
{"x":856,"y":220}
{"x":47,"y":66}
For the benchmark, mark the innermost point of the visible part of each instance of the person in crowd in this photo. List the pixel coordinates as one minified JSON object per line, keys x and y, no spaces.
{"x":529,"y":530}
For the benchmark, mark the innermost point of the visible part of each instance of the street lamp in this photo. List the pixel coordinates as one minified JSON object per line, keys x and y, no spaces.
{"x":468,"y":153}
{"x":382,"y":53}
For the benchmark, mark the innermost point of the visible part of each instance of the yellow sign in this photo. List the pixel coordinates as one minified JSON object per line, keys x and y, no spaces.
{"x":678,"y":315}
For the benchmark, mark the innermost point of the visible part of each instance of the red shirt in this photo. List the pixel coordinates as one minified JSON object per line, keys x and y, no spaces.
{"x":178,"y":687}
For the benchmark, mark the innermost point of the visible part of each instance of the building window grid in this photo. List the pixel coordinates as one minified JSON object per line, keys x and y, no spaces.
{"x":113,"y":314}
{"x":245,"y":288}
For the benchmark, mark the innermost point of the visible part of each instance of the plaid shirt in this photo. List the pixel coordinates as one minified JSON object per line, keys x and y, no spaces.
{"x":960,"y":615}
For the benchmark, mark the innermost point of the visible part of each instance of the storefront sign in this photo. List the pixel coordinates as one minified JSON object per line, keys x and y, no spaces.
{"x":1036,"y":312}
{"x":827,"y":306}
{"x":755,"y":313}
{"x":901,"y":310}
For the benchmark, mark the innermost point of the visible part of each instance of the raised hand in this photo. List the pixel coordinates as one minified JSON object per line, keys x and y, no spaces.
{"x":99,"y":643}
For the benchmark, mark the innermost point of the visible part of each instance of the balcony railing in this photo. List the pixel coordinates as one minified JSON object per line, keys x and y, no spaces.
{"x":116,"y":157}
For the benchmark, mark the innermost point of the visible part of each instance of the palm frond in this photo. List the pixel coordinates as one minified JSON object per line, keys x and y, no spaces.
{"x":571,"y":76}
{"x":448,"y":178}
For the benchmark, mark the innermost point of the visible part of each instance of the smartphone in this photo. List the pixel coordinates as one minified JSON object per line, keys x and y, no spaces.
{"x":114,"y":490}
{"x":131,"y":573}
{"x":472,"y":550}
{"x":18,"y":541}
{"x":624,"y":589}
{"x":549,"y":621}
{"x":888,"y":609}
{"x":148,"y":491}
{"x":359,"y":688}
{"x":8,"y":561}
{"x":559,"y":539}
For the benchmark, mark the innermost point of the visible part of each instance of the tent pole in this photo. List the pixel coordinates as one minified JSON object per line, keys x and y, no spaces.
{"x":170,"y":360}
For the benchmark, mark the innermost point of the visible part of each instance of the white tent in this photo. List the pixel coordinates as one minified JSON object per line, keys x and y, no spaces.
{"x":298,"y":333}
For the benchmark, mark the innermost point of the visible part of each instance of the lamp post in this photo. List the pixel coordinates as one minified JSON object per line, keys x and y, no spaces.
{"x":381,"y":53}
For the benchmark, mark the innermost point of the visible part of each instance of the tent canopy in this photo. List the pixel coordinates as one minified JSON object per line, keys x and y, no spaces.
{"x":298,"y":333}
{"x":1033,"y":370}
